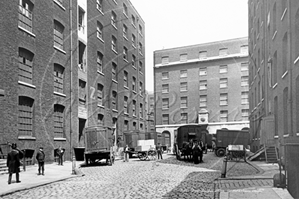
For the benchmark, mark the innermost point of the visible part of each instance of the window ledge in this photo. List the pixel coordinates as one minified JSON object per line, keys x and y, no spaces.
{"x":134,"y":67}
{"x":59,"y":94}
{"x":23,"y":29}
{"x":125,"y":113}
{"x":115,"y":2}
{"x":26,"y":138}
{"x":183,"y":91}
{"x":59,"y":4}
{"x":101,"y":106}
{"x":275,"y":85}
{"x":284,"y":74}
{"x":134,"y":91}
{"x":114,"y":51}
{"x":286,"y":135}
{"x":141,"y":73}
{"x":98,"y":71}
{"x":125,"y":15}
{"x":125,"y":60}
{"x":59,"y":139}
{"x":115,"y":27}
{"x":100,"y":11}
{"x":26,"y":84}
{"x":114,"y":110}
{"x":133,"y":25}
{"x":133,"y":46}
{"x":274,"y":35}
{"x":296,"y":60}
{"x":165,"y":92}
{"x":283,"y":14}
{"x":165,"y":78}
{"x":60,"y":50}
{"x":101,"y":39}
{"x":126,"y":87}
{"x":297,"y":134}
{"x":276,"y":136}
{"x":115,"y":81}
{"x":141,"y":95}
{"x":165,"y":108}
{"x":124,"y":36}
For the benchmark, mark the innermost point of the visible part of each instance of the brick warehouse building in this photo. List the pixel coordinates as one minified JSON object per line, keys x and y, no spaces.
{"x":204,"y":83}
{"x":274,"y":82}
{"x":54,"y":83}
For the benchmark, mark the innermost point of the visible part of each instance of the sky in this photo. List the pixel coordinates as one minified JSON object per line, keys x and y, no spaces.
{"x":176,"y":23}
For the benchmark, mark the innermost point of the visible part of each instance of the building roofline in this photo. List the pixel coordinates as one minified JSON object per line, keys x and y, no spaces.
{"x":203,"y":44}
{"x":136,"y":11}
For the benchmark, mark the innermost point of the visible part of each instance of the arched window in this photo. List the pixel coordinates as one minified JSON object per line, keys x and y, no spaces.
{"x":58,"y":35}
{"x":58,"y":78}
{"x":58,"y":121}
{"x":25,"y":119}
{"x":25,"y":65}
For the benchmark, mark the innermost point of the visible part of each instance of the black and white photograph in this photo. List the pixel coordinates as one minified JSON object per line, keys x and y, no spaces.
{"x":149,"y":99}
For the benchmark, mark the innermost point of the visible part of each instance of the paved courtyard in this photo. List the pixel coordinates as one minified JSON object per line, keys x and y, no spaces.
{"x":135,"y":179}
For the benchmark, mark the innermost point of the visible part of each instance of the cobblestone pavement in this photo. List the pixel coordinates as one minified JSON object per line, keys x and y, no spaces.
{"x":211,"y":161}
{"x":167,"y":179}
{"x":135,"y":179}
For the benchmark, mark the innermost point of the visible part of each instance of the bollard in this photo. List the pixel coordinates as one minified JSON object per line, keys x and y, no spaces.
{"x":224,"y":167}
{"x":73,"y":165}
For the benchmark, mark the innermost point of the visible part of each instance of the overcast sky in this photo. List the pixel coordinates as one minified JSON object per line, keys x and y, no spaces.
{"x":175,"y":23}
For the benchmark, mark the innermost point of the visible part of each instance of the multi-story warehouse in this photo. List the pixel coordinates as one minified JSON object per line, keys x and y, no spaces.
{"x":205,"y":83}
{"x":67,"y":65}
{"x":274,"y":80}
{"x":150,"y":125}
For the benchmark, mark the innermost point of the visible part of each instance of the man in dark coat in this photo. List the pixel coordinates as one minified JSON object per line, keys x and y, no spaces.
{"x":13,"y":163}
{"x":159,"y":151}
{"x":60,"y":153}
{"x":196,"y":152}
{"x":40,"y":156}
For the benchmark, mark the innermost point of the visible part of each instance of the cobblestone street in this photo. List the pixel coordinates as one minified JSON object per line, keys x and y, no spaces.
{"x":136,"y":179}
{"x":167,"y":178}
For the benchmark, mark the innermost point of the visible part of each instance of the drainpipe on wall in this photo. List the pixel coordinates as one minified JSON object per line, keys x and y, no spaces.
{"x":71,"y":82}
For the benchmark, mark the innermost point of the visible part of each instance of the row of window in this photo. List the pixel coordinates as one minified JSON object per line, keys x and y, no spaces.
{"x":223,"y":117}
{"x":114,"y":17}
{"x":114,"y":41}
{"x":203,"y":101}
{"x":203,"y":84}
{"x":203,"y":54}
{"x":203,"y":71}
{"x":26,"y":118}
{"x":114,"y":95}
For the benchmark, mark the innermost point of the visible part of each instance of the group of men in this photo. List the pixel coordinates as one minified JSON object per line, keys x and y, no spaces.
{"x":13,"y":161}
{"x":197,"y":150}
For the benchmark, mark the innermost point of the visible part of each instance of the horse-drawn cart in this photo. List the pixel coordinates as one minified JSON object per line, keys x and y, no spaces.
{"x":145,"y":150}
{"x":98,"y":145}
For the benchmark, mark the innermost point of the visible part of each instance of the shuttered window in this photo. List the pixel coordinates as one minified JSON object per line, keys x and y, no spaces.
{"x":58,"y":78}
{"x":25,"y":14}
{"x":25,"y":65}
{"x":58,"y":121}
{"x":58,"y":35}
{"x":25,"y":120}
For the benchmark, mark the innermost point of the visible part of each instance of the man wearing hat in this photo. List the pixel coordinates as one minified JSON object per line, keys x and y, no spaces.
{"x":40,"y":156}
{"x":13,"y":163}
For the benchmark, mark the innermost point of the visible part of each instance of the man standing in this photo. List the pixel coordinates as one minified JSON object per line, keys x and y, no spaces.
{"x":202,"y":148}
{"x":40,"y":156}
{"x":159,"y":151}
{"x":60,"y":153}
{"x":126,"y":153}
{"x":13,"y":163}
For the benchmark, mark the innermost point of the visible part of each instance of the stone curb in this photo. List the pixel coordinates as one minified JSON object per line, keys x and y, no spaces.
{"x":78,"y":173}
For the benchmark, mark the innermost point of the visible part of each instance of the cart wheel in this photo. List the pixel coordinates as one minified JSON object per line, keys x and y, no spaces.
{"x":142,"y":156}
{"x":220,"y":152}
{"x":152,"y":154}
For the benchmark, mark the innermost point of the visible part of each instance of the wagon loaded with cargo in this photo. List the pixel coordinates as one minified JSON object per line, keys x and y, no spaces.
{"x":187,"y":133}
{"x":98,"y":145}
{"x":225,"y":138}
